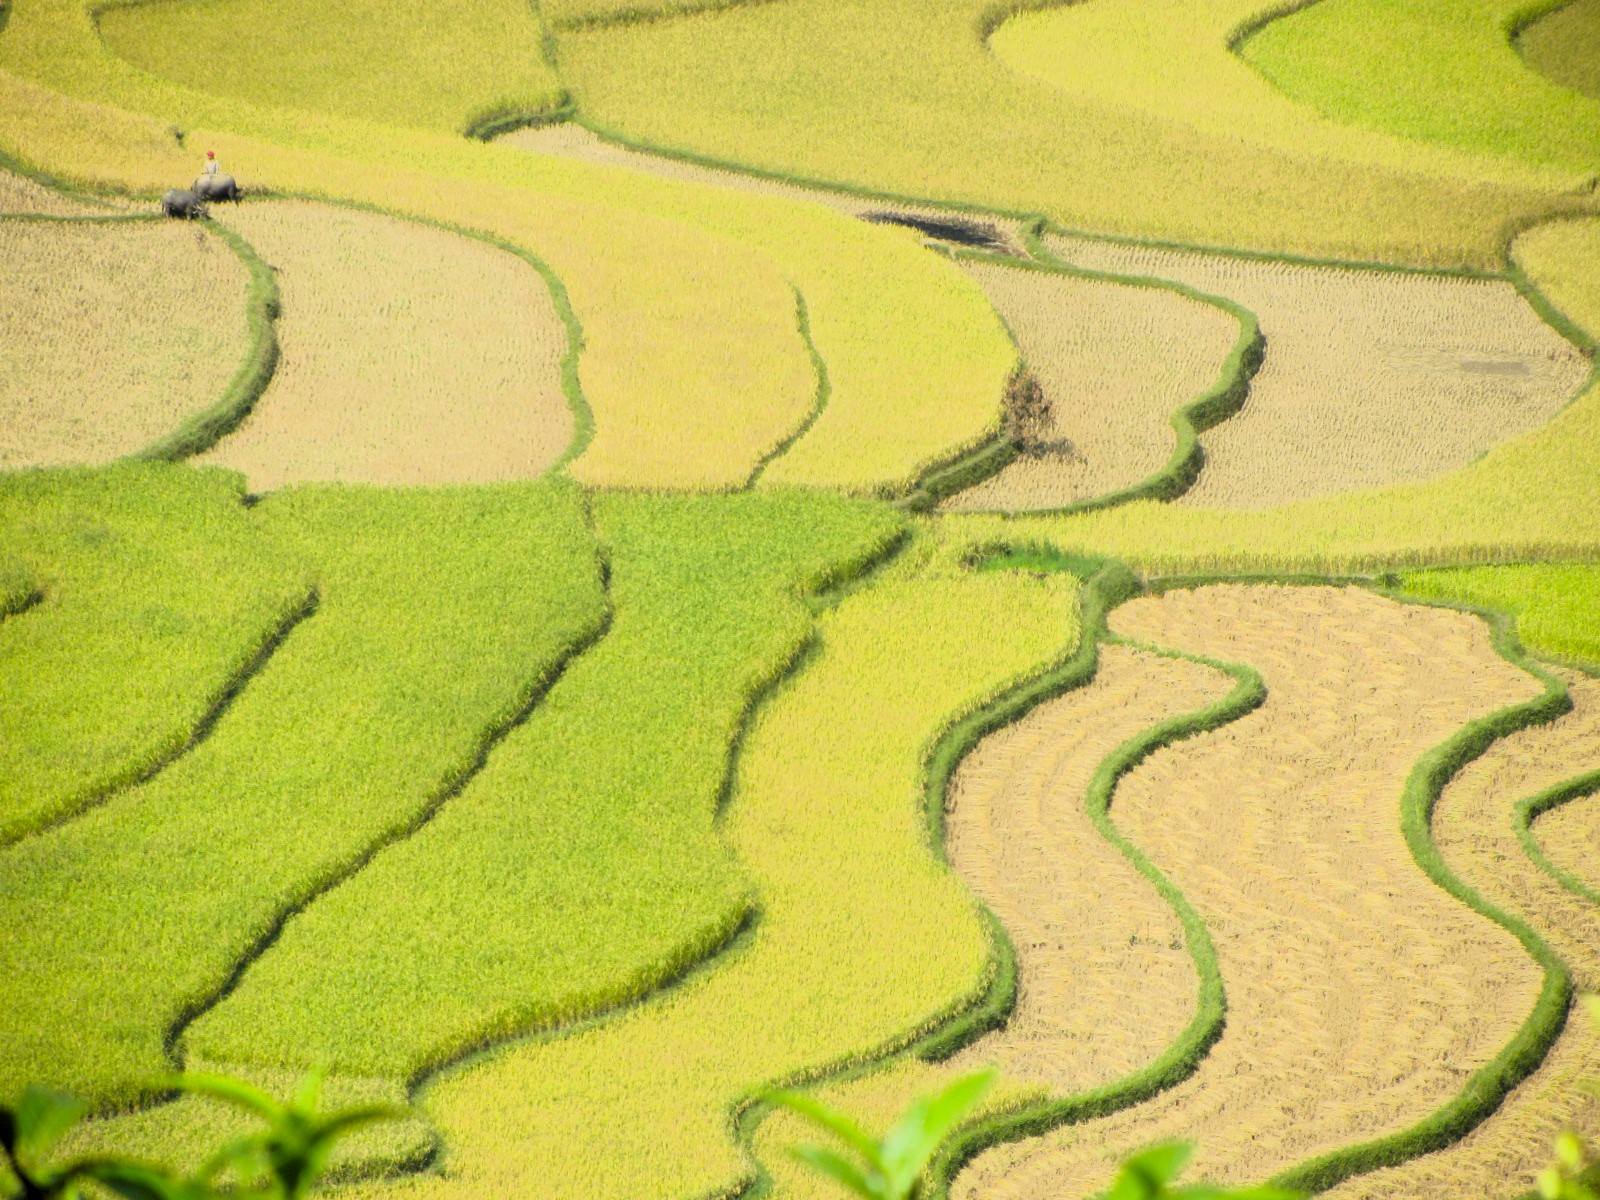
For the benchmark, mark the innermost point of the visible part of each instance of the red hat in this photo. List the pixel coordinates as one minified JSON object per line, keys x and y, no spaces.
{"x":211,"y":153}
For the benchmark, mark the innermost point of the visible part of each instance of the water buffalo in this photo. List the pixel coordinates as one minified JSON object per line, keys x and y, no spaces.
{"x":217,"y":187}
{"x":184,"y":204}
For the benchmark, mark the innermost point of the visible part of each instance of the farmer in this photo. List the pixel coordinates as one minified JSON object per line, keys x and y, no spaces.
{"x":211,"y":163}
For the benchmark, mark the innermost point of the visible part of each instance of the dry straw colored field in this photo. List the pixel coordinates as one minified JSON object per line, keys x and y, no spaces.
{"x":410,"y":355}
{"x":1474,"y":829}
{"x":1114,"y":361}
{"x":1358,"y":991}
{"x":1370,"y":378}
{"x":112,"y":335}
{"x":19,"y":194}
{"x":1104,"y":979}
{"x":1570,"y":836}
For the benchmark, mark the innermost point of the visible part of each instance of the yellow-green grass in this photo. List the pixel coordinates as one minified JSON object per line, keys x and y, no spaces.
{"x":1122,"y":116}
{"x":686,"y":296}
{"x":407,"y":354}
{"x":154,"y":595}
{"x":115,"y":334}
{"x":861,"y":940}
{"x":438,"y":615}
{"x":1437,"y":70}
{"x":582,"y":866}
{"x":1565,"y":45}
{"x":1557,"y":605}
{"x":449,"y":67}
{"x":1534,"y":497}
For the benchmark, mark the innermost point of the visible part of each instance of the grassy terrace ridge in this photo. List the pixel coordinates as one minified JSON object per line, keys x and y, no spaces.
{"x":621,"y":881}
{"x":1158,"y":131}
{"x":438,"y":617}
{"x":685,"y":295}
{"x":1556,"y":605}
{"x":1445,"y":73}
{"x":155,"y":596}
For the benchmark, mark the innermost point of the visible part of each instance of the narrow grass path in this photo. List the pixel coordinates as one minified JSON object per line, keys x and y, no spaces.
{"x":1475,"y":828}
{"x":1370,"y":377}
{"x":410,"y":355}
{"x":1570,"y":834}
{"x":1360,"y":995}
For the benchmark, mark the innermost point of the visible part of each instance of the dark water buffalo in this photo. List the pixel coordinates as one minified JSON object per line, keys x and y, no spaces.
{"x":184,"y":204}
{"x":217,"y":187}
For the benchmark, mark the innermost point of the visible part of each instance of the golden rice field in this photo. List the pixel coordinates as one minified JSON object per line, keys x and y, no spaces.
{"x":667,"y":549}
{"x":409,"y":355}
{"x":116,"y":333}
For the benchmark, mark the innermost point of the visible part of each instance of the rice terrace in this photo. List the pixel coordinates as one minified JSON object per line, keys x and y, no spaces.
{"x":783,"y":599}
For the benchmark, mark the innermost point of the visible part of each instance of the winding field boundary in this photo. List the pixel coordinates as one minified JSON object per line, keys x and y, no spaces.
{"x":818,"y":404}
{"x":1531,"y":809}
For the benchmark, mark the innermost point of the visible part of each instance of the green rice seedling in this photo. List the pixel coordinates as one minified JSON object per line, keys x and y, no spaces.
{"x":439,"y":616}
{"x":1565,"y":45}
{"x":154,"y":597}
{"x":298,"y":54}
{"x":1443,"y":72}
{"x":1122,"y":116}
{"x":863,"y":939}
{"x":581,"y":867}
{"x":1557,"y":605}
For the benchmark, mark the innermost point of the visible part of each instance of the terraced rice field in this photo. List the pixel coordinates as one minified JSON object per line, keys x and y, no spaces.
{"x":115,"y":334}
{"x":410,"y":355}
{"x":1429,"y":372}
{"x":661,"y":554}
{"x":1357,"y":991}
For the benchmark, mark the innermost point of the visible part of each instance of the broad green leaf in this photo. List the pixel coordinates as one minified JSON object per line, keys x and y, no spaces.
{"x":835,"y":1167}
{"x":233,"y":1091}
{"x":1569,"y":1151}
{"x":1160,"y":1165}
{"x":835,"y":1122}
{"x":42,"y":1117}
{"x":1550,"y":1185}
{"x":912,"y":1142}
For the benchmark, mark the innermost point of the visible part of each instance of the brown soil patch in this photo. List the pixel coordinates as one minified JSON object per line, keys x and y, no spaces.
{"x":1473,"y":827}
{"x":1370,"y":378}
{"x":410,"y":355}
{"x":111,"y":335}
{"x":574,"y":141}
{"x":1114,"y":362}
{"x":1360,"y":994}
{"x":1570,"y":835}
{"x":1105,"y":982}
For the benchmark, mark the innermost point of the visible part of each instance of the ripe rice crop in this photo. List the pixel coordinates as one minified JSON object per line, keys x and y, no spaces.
{"x":862,"y":938}
{"x":115,"y":334}
{"x":686,"y":296}
{"x":19,"y":194}
{"x":156,"y":595}
{"x":1114,"y":362}
{"x":497,"y":918}
{"x":297,"y":54}
{"x":438,"y":614}
{"x":1155,"y":130}
{"x":1440,"y":72}
{"x":1369,"y":378}
{"x":1354,"y":984}
{"x":1475,"y":829}
{"x":1570,"y":836}
{"x":1565,"y":46}
{"x":407,"y":355}
{"x":1557,"y":605}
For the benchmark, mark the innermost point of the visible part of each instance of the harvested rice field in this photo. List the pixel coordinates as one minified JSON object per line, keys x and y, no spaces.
{"x":113,"y":336}
{"x":410,"y":355}
{"x":1114,"y":361}
{"x":1429,"y":372}
{"x":665,"y":553}
{"x":1357,"y":990}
